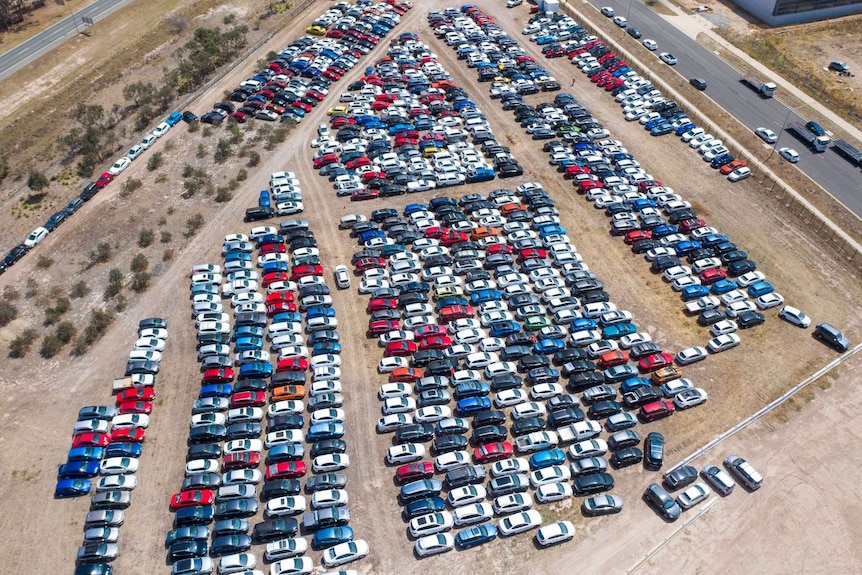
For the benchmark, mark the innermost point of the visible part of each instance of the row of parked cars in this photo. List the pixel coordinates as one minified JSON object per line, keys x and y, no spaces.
{"x":405,"y":129}
{"x":282,"y":198}
{"x":106,"y":443}
{"x":301,"y":75}
{"x":241,"y":387}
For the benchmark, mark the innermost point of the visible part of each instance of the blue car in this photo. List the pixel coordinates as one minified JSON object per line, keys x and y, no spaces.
{"x":370,"y":234}
{"x":174,"y":119}
{"x":684,"y":247}
{"x":639,"y":204}
{"x":661,"y":129}
{"x":665,"y":230}
{"x":467,"y":389}
{"x":633,"y":383}
{"x":264,"y":200}
{"x":450,"y":301}
{"x":247,"y":331}
{"x":547,"y":458}
{"x":392,"y":249}
{"x":480,"y":175}
{"x":270,"y":239}
{"x":85,"y":454}
{"x":760,"y":288}
{"x":721,"y":160}
{"x":549,"y":346}
{"x":72,"y":488}
{"x":124,"y":449}
{"x":712,"y":240}
{"x":424,"y":506}
{"x":215,"y":390}
{"x":546,"y":39}
{"x":321,"y":431}
{"x":255,"y":370}
{"x":504,"y":328}
{"x":551,"y":229}
{"x":485,"y":295}
{"x":722,"y":286}
{"x":323,"y":348}
{"x":331,"y":536}
{"x":472,"y":405}
{"x":413,"y":208}
{"x":270,"y":267}
{"x":78,"y":470}
{"x":476,"y":535}
{"x":582,"y":323}
{"x":684,"y":128}
{"x":618,"y":330}
{"x":237,"y":257}
{"x":248,"y":343}
{"x":693,"y":292}
{"x":320,"y":311}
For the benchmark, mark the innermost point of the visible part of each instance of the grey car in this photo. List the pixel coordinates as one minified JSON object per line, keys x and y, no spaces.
{"x":744,"y":472}
{"x":602,"y":505}
{"x":662,"y":502}
{"x":718,"y":479}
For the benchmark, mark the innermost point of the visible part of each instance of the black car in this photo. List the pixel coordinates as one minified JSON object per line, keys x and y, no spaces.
{"x":680,"y":477}
{"x":204,"y":451}
{"x":662,"y":502}
{"x":568,"y":415}
{"x":227,"y":544}
{"x":141,"y":366}
{"x":585,"y":380}
{"x":448,"y":442}
{"x":207,"y":434}
{"x":633,"y":32}
{"x":273,"y":529}
{"x":280,"y":488}
{"x":644,"y":349}
{"x":488,"y":434}
{"x":89,"y":191}
{"x":55,"y":220}
{"x":489,"y":417}
{"x":244,"y":507}
{"x":327,"y":446}
{"x":749,"y":319}
{"x":187,"y":550}
{"x":505,"y":381}
{"x":654,"y":451}
{"x":593,"y":483}
{"x":189,"y":117}
{"x":604,"y":408}
{"x":711,"y":316}
{"x":626,"y":457}
{"x":201,"y":481}
{"x":528,"y":425}
{"x":569,"y":354}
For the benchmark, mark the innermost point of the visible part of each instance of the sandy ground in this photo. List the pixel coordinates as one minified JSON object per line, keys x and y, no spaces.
{"x":41,"y":398}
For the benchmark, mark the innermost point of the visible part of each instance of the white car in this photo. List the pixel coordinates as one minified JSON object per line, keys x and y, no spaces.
{"x":405,"y":453}
{"x":392,"y":422}
{"x":330,"y":462}
{"x":693,"y":495}
{"x":769,"y":300}
{"x":434,"y":544}
{"x":239,"y":476}
{"x":766,"y":135}
{"x":389,"y":364}
{"x":291,"y":566}
{"x":466,"y":495}
{"x":120,"y":165}
{"x":130,"y":420}
{"x":689,"y":398}
{"x":520,"y":522}
{"x":674,"y":386}
{"x":432,"y":413}
{"x":690,"y":355}
{"x":451,"y":460}
{"x":551,"y":492}
{"x":148,"y":141}
{"x":243,"y":446}
{"x":512,"y":503}
{"x":668,"y":58}
{"x":555,"y":533}
{"x":650,"y":45}
{"x":473,"y":513}
{"x":329,"y":498}
{"x":794,"y":316}
{"x":35,"y":237}
{"x":285,"y":549}
{"x":739,"y":174}
{"x":118,"y":465}
{"x":161,"y":129}
{"x":723,"y":343}
{"x":398,"y":405}
{"x":509,"y":397}
{"x":135,"y":151}
{"x":285,"y":506}
{"x":789,"y":154}
{"x":342,"y":277}
{"x":722,"y":327}
{"x":117,"y":482}
{"x":431,"y":523}
{"x":738,"y":307}
{"x":345,"y":553}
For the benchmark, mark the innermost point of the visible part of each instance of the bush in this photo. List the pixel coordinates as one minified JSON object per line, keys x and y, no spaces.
{"x":140,"y":263}
{"x":79,"y":290}
{"x":168,"y":255}
{"x":66,"y":331}
{"x":130,"y":186}
{"x":51,"y":346}
{"x":115,"y":283}
{"x":43,"y":262}
{"x":253,"y":159}
{"x":155,"y":161}
{"x":32,"y":288}
{"x":8,"y":312}
{"x":223,"y":195}
{"x":140,"y":281}
{"x":100,"y":255}
{"x":100,"y":321}
{"x":37,"y":181}
{"x":241,"y":176}
{"x":202,"y":151}
{"x":19,"y":346}
{"x":194,"y":127}
{"x":223,"y":151}
{"x":145,"y":238}
{"x":10,"y":293}
{"x":53,"y":314}
{"x":165,"y":237}
{"x":193,"y":224}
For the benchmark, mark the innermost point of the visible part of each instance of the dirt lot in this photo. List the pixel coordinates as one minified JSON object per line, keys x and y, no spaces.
{"x":41,"y":398}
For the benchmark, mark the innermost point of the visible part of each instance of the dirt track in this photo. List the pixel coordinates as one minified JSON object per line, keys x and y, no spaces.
{"x":38,"y":413}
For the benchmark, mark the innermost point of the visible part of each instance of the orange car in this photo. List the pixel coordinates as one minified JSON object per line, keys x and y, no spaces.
{"x":484,"y":232}
{"x":405,"y":375}
{"x":287,"y":392}
{"x":612,"y":358}
{"x":509,"y":209}
{"x":729,"y":167}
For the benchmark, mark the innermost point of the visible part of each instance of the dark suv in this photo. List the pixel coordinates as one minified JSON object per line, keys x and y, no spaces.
{"x":831,"y":336}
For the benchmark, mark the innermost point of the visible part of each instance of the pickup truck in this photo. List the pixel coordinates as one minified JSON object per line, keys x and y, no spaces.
{"x":579,"y":431}
{"x":536,"y":441}
{"x":134,"y":380}
{"x":702,"y":304}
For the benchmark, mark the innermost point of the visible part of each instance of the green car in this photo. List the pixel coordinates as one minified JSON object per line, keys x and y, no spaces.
{"x":536,"y":322}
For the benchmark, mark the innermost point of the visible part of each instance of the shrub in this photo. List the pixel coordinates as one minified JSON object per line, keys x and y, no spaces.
{"x":168,"y":255}
{"x":155,"y":161}
{"x":8,"y":312}
{"x":79,"y":289}
{"x":100,"y":255}
{"x":51,"y":346}
{"x":19,"y":346}
{"x":115,"y":283}
{"x":66,"y":330}
{"x":53,"y":314}
{"x":223,"y":195}
{"x":130,"y":186}
{"x":253,"y":159}
{"x":165,"y":237}
{"x":193,"y":224}
{"x":140,"y":281}
{"x":140,"y":263}
{"x":10,"y":293}
{"x":37,"y":181}
{"x":32,"y":288}
{"x":100,"y":321}
{"x":223,"y":151}
{"x":145,"y":238}
{"x":44,"y":262}
{"x":241,"y":176}
{"x":202,"y":151}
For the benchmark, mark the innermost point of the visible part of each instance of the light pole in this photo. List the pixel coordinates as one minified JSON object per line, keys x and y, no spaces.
{"x":628,"y":14}
{"x":72,"y":15}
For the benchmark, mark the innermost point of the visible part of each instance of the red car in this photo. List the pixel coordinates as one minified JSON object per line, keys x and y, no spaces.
{"x":192,"y":498}
{"x":135,"y":407}
{"x":655,"y":361}
{"x":105,"y":179}
{"x":302,"y":106}
{"x":273,"y":249}
{"x":405,"y":375}
{"x":574,"y":170}
{"x":242,"y":460}
{"x":692,"y":224}
{"x":498,"y":249}
{"x":453,"y":237}
{"x":358,"y":163}
{"x":285,"y":296}
{"x":380,"y":105}
{"x":451,"y":313}
{"x":279,"y":306}
{"x":531,"y":253}
{"x":424,"y":331}
{"x":588,"y":185}
{"x":247,"y":399}
{"x":325,"y":160}
{"x":91,"y":440}
{"x":366,"y":194}
{"x":380,"y":303}
{"x":285,"y":470}
{"x":711,"y":276}
{"x":366,"y":264}
{"x":645,"y":186}
{"x":492,"y":452}
{"x":133,"y":434}
{"x":306,"y":270}
{"x":414,"y":471}
{"x":382,"y":326}
{"x":656,"y":410}
{"x":435,"y":232}
{"x":219,"y":375}
{"x":292,"y":364}
{"x":239,"y":116}
{"x":339,"y":121}
{"x":436,"y":342}
{"x":400,"y":348}
{"x":373,"y":175}
{"x":612,"y":358}
{"x":136,"y":393}
{"x":636,"y":236}
{"x":273,"y":277}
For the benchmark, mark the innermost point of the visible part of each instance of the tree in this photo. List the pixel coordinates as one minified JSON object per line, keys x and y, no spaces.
{"x":140,"y":263}
{"x":8,"y":312}
{"x":139,"y":93}
{"x":37,"y":181}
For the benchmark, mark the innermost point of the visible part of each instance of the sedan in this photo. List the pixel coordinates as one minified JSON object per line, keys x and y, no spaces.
{"x":555,"y":533}
{"x":690,"y":355}
{"x":345,"y":553}
{"x":789,"y":154}
{"x":723,"y":342}
{"x":662,"y":502}
{"x":668,"y":58}
{"x":794,"y":316}
{"x":693,"y":495}
{"x":766,"y":135}
{"x":434,"y":544}
{"x":602,"y":505}
{"x":521,"y":522}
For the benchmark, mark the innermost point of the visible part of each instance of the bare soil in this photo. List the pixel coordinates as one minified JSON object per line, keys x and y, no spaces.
{"x":40,"y":398}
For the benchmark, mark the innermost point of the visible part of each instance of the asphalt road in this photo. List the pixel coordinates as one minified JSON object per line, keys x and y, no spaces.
{"x":23,"y":54}
{"x":831,"y":171}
